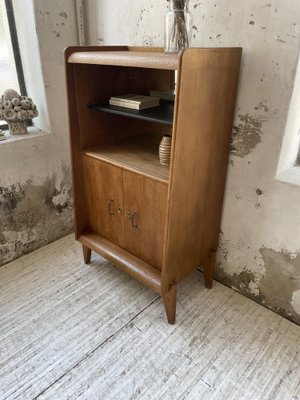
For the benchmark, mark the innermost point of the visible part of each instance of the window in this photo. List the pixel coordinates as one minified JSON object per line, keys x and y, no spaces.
{"x":11,"y":72}
{"x":289,"y":162}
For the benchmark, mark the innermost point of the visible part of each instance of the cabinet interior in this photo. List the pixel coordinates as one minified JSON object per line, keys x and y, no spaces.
{"x":121,"y":139}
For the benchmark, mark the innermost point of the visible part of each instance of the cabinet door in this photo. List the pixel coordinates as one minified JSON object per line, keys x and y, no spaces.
{"x":104,"y":199}
{"x":145,"y":204}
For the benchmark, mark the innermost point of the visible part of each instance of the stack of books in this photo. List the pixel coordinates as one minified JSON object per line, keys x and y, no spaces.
{"x":134,"y":101}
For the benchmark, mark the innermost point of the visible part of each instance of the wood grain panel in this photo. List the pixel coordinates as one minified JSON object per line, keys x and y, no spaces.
{"x":136,"y":155}
{"x":96,"y":84}
{"x":141,"y":59}
{"x":142,"y":80}
{"x":200,"y":153}
{"x":144,"y":231}
{"x":104,"y":199}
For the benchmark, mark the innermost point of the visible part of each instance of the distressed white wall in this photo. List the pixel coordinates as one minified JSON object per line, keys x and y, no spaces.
{"x":259,"y":251}
{"x":35,"y":186}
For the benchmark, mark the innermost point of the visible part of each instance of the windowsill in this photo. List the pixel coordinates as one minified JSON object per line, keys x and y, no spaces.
{"x":291,"y":176}
{"x":33,"y":132}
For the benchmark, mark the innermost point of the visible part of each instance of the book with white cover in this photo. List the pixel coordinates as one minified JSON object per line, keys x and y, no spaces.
{"x":135,"y":98}
{"x":133,"y":101}
{"x":132,"y":106}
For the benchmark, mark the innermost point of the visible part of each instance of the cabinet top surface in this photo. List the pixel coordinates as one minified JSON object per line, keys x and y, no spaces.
{"x":142,"y":59}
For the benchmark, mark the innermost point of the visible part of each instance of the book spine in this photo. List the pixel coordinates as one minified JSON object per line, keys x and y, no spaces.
{"x":125,"y":100}
{"x":124,"y":104}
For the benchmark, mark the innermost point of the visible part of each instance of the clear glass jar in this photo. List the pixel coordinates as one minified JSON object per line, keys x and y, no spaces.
{"x":178,"y":26}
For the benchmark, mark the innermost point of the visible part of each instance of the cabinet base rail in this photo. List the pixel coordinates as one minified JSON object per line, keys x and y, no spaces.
{"x":135,"y":267}
{"x":126,"y":261}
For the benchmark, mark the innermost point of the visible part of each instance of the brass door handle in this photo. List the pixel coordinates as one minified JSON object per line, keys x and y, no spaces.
{"x":133,"y":215}
{"x":128,"y":214}
{"x":111,"y":207}
{"x":134,"y":219}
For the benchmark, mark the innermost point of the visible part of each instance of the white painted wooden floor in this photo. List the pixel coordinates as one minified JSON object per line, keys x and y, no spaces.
{"x":70,"y":331}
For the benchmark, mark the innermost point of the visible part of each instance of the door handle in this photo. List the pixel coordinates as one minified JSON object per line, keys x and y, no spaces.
{"x":111,"y":207}
{"x":133,"y":215}
{"x":134,"y":219}
{"x":128,"y":214}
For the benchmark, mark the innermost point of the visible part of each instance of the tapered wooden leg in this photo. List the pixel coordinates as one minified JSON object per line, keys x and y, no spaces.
{"x":86,"y":254}
{"x":209,"y":269}
{"x":170,"y":304}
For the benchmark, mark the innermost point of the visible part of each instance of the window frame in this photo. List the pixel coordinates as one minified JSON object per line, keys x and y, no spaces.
{"x":16,"y":51}
{"x":288,"y":168}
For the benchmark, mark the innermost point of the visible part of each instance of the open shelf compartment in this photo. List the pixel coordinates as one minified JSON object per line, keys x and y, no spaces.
{"x":134,"y":155}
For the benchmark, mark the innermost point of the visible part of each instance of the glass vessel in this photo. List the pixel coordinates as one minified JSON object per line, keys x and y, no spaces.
{"x":178,"y":26}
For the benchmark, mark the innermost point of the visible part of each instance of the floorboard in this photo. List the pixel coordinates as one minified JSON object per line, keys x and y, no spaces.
{"x":71,"y":331}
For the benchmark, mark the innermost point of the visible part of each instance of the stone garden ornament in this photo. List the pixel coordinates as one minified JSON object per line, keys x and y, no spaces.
{"x":16,"y":110}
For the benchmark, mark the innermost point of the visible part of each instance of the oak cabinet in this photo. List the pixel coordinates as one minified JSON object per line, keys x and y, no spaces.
{"x":155,"y":222}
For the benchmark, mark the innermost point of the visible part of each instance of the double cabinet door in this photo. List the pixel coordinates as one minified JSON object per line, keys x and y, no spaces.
{"x":127,"y":208}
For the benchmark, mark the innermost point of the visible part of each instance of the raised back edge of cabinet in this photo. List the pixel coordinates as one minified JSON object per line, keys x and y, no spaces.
{"x":206,"y":93}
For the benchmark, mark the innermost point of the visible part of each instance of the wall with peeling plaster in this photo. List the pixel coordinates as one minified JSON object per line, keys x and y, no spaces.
{"x":259,"y":248}
{"x":35,"y":183}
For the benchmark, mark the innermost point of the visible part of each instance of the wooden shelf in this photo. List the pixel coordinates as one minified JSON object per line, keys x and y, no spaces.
{"x":127,"y":58}
{"x":162,"y":114}
{"x":141,"y":157}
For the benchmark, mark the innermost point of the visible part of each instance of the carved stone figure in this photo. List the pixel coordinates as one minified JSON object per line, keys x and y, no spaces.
{"x":16,"y":110}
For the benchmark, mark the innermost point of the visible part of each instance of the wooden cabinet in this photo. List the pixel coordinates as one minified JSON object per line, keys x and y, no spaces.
{"x":155,"y":222}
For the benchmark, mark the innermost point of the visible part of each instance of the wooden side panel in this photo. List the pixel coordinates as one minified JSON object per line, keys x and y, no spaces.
{"x":104,"y":199}
{"x":74,"y":135}
{"x":208,"y":81}
{"x":145,"y":204}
